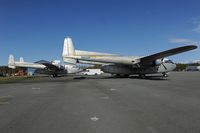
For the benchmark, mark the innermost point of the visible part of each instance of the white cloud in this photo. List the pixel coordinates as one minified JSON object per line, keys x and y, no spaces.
{"x":196,"y":22}
{"x":189,"y":62}
{"x":180,"y":40}
{"x":196,"y":61}
{"x":183,"y":41}
{"x":197,"y":29}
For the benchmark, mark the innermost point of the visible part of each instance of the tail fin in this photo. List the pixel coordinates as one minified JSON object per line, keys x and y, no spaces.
{"x":68,"y":48}
{"x":11,"y":62}
{"x":21,"y":59}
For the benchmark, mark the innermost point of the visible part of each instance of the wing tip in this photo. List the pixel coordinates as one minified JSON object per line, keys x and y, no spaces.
{"x":192,"y":47}
{"x":189,"y":47}
{"x":195,"y":46}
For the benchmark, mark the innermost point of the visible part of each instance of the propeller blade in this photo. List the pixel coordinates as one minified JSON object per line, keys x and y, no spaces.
{"x":164,"y":66}
{"x":162,"y":60}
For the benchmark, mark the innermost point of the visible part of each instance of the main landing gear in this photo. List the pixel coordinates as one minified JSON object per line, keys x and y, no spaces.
{"x":54,"y":75}
{"x":142,"y":76}
{"x":122,"y":75}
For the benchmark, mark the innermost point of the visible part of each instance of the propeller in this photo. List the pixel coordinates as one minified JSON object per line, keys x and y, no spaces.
{"x":162,"y":63}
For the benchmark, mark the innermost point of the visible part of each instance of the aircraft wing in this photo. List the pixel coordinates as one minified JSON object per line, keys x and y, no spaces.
{"x":104,"y":60}
{"x":167,"y":53}
{"x":124,"y":60}
{"x":48,"y":65}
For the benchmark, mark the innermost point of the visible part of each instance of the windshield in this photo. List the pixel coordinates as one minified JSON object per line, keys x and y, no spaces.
{"x":169,"y":61}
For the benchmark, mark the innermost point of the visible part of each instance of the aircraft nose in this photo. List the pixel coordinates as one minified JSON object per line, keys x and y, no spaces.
{"x":170,"y":66}
{"x":173,"y":66}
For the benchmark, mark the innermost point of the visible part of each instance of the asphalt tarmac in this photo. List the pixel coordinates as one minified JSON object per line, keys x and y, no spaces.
{"x":102,"y":104}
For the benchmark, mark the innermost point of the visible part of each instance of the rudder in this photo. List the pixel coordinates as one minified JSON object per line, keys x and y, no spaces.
{"x":68,"y":48}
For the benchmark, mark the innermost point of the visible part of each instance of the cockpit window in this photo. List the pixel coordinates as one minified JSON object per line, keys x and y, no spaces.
{"x":169,"y":61}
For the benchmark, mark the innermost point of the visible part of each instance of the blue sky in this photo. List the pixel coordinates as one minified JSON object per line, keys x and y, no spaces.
{"x":35,"y":29}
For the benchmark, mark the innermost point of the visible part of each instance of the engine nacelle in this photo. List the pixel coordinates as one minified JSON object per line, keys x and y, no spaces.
{"x":115,"y":69}
{"x":72,"y":69}
{"x":10,"y":66}
{"x":157,"y":62}
{"x":56,"y":62}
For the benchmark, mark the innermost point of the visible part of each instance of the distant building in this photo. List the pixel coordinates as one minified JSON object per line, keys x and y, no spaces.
{"x":193,"y":68}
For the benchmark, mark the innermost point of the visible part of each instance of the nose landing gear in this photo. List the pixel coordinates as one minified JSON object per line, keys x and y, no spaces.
{"x":165,"y":74}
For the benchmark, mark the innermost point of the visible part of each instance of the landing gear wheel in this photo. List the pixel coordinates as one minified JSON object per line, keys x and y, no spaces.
{"x":165,"y":74}
{"x":126,"y":76}
{"x":55,"y":75}
{"x":117,"y":75}
{"x":142,"y":76}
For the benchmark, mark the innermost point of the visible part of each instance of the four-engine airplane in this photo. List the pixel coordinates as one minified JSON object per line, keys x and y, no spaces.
{"x":123,"y":65}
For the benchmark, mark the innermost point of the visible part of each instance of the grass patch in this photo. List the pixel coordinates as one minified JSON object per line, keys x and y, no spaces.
{"x":12,"y":79}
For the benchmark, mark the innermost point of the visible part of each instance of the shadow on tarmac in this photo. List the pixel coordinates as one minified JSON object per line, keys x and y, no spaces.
{"x":78,"y":78}
{"x":115,"y":77}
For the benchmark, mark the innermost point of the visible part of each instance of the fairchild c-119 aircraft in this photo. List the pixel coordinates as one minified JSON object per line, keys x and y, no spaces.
{"x":123,"y":65}
{"x":53,"y":68}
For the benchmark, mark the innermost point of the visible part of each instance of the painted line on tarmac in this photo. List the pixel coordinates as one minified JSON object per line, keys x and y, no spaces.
{"x":35,"y":88}
{"x":5,"y":99}
{"x":95,"y":118}
{"x":113,"y":89}
{"x":106,"y":98}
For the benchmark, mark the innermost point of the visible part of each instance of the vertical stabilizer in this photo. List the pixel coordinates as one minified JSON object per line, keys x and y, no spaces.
{"x":68,"y":48}
{"x":21,"y":60}
{"x":11,"y":62}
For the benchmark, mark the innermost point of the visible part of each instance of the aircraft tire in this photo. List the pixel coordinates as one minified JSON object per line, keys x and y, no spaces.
{"x":142,"y":76}
{"x":165,"y":75}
